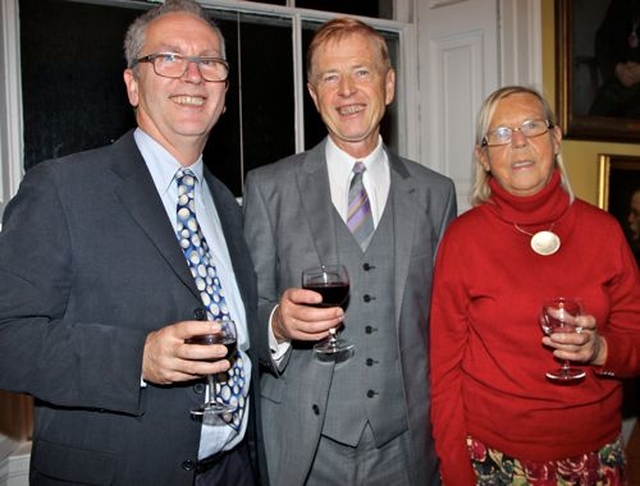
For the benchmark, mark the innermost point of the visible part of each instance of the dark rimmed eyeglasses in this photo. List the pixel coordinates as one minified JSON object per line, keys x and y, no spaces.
{"x":171,"y":65}
{"x":503,"y":135}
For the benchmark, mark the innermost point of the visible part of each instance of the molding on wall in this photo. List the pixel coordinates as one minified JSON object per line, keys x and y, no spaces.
{"x":467,"y":49}
{"x":11,"y":144}
{"x":521,"y":42}
{"x":14,"y":462}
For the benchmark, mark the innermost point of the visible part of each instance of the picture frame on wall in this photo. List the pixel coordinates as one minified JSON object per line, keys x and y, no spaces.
{"x":598,"y":69}
{"x":619,"y":194}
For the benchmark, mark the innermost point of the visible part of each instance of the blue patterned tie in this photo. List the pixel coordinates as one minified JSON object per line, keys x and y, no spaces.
{"x":196,"y":251}
{"x":359,"y":217}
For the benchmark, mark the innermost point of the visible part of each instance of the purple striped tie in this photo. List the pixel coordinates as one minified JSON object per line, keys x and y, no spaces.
{"x":359,"y":218}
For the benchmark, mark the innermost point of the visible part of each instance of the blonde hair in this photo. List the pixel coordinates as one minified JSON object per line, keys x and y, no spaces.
{"x":481,"y":191}
{"x":340,"y":28}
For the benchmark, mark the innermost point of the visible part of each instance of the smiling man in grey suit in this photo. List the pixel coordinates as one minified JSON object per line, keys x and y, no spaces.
{"x":362,"y":420}
{"x":97,"y":299}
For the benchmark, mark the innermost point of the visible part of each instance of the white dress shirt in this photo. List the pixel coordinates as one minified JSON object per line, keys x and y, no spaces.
{"x":376,"y":178}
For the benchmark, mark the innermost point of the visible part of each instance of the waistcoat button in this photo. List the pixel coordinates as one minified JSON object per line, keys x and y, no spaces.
{"x":188,"y":465}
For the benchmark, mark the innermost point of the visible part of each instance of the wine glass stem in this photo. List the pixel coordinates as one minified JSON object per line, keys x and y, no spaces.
{"x":212,"y":389}
{"x":333,"y":337}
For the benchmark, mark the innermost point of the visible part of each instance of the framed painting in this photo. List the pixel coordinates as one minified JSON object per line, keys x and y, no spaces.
{"x":598,"y":69}
{"x":619,"y":194}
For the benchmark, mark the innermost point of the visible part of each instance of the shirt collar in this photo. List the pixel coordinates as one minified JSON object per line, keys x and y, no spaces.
{"x":341,"y":163}
{"x":161,"y":164}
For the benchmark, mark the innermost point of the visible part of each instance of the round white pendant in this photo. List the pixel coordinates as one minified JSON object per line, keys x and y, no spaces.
{"x":545,"y":243}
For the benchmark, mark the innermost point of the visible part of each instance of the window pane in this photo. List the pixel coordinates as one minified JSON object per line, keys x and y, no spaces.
{"x":74,"y":97}
{"x":262,"y":121}
{"x":382,"y":9}
{"x":314,"y":129}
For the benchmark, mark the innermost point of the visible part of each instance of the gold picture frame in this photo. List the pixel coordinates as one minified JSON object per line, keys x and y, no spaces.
{"x":619,"y":179}
{"x":583,"y":75}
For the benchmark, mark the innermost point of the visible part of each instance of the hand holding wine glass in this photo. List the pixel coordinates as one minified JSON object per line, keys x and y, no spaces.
{"x":227,"y":336}
{"x":332,"y":282}
{"x":559,"y":316}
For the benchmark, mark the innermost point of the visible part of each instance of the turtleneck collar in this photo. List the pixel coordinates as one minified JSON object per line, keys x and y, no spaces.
{"x":542,"y":208}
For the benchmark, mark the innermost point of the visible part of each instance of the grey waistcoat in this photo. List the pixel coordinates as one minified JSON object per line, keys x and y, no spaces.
{"x":368,"y":387}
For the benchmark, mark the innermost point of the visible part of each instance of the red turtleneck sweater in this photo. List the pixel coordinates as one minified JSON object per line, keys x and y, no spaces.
{"x":487,"y":361}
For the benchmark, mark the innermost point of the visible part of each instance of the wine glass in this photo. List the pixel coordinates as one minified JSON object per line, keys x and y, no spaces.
{"x":559,"y":315}
{"x":332,"y":282}
{"x":227,"y":336}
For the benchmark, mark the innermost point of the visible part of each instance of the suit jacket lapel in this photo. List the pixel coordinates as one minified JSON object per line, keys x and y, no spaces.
{"x":140,"y":197}
{"x":313,"y":185}
{"x":403,"y":192}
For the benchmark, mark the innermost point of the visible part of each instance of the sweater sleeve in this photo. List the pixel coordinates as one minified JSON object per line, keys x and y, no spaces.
{"x":449,"y":336}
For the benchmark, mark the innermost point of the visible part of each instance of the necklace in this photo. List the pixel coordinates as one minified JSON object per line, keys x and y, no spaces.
{"x":544,"y":243}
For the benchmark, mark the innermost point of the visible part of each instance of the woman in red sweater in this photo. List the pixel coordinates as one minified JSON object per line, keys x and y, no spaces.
{"x":497,"y":419}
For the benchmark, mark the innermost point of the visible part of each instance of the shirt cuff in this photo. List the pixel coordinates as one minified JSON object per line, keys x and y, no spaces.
{"x":278,"y":350}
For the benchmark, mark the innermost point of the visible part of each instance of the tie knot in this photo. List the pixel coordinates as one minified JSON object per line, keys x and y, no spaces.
{"x":359,"y":168}
{"x":186,"y":178}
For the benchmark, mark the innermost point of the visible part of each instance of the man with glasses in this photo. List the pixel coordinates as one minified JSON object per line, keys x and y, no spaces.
{"x":105,"y":272}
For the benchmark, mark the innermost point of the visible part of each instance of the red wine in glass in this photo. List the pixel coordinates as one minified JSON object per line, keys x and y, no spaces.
{"x":332,"y":282}
{"x":227,"y":336}
{"x":208,"y":339}
{"x":333,"y":294}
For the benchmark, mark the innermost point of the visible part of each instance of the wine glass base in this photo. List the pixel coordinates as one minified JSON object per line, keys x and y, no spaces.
{"x":566,"y":374}
{"x":212,"y":409}
{"x":337,"y":350}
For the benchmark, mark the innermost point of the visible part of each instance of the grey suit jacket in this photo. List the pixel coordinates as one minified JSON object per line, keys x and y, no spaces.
{"x":89,"y":265}
{"x":289,"y":226}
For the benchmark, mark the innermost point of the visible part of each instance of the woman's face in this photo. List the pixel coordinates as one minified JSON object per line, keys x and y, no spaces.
{"x":524,"y":165}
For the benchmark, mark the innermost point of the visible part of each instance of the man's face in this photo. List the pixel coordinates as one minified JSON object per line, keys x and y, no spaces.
{"x":177,"y":112}
{"x":351,"y":88}
{"x":634,"y":216}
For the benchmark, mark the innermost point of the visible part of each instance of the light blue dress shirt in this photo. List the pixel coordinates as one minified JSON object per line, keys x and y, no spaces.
{"x":163,"y":167}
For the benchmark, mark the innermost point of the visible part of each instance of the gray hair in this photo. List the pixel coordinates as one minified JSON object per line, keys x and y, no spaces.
{"x":137,"y":31}
{"x":481,"y":191}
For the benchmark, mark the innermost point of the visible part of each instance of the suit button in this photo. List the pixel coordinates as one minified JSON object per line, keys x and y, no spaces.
{"x":188,"y":465}
{"x":316,"y":409}
{"x":199,"y":314}
{"x":371,"y":393}
{"x":369,"y":329}
{"x":198,"y":388}
{"x":370,"y":362}
{"x":366,"y":267}
{"x":366,"y":298}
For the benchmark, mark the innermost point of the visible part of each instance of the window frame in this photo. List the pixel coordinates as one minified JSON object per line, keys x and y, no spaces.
{"x":11,"y":118}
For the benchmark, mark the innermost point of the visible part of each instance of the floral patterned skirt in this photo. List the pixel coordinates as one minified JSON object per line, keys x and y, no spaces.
{"x":606,"y":467}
